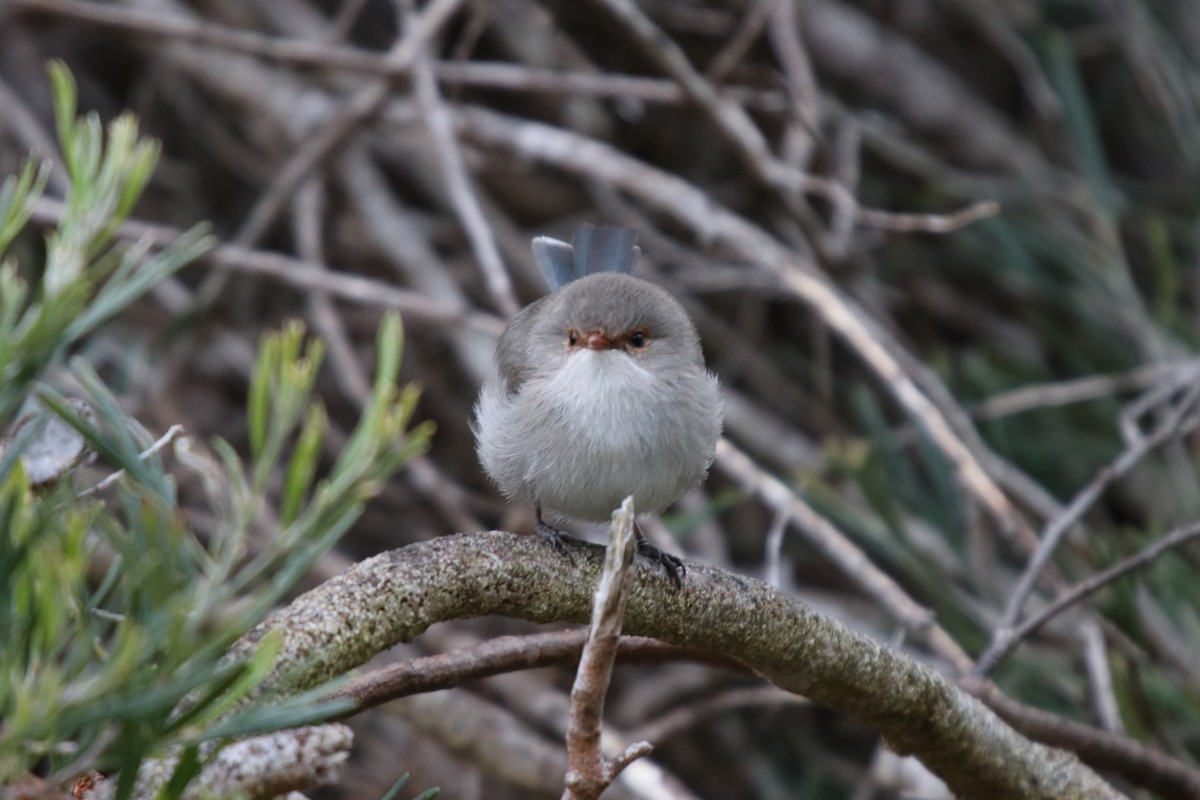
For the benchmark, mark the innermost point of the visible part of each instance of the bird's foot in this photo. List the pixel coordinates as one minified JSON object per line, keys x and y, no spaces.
{"x":672,"y":564}
{"x":559,"y":540}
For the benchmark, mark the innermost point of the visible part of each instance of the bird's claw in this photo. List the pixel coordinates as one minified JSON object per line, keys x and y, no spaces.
{"x":559,"y":540}
{"x":672,"y":564}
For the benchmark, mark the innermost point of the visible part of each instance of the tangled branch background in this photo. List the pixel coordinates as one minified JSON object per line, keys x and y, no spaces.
{"x":941,"y":254}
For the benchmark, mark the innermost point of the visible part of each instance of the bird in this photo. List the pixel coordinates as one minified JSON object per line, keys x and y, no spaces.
{"x":601,"y":392}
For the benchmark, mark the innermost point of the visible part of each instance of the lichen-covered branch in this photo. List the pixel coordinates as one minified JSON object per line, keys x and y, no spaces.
{"x":395,"y":596}
{"x":262,"y":766}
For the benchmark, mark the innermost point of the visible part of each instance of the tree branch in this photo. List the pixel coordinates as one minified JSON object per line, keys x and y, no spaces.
{"x":395,"y":596}
{"x":270,"y":765}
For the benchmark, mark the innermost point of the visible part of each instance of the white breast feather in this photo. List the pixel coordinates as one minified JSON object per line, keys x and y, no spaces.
{"x":583,"y":439}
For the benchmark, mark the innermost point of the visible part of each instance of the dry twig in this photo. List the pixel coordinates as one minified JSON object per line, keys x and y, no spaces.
{"x":172,"y":433}
{"x":304,"y":275}
{"x":343,"y":120}
{"x":838,"y":548}
{"x":458,"y":183}
{"x":1095,"y":583}
{"x":589,"y":773}
{"x":1180,"y":419}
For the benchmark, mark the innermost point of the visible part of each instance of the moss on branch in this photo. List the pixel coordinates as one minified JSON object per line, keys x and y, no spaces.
{"x":395,"y":596}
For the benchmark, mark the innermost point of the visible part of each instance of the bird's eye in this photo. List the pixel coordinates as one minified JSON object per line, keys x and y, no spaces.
{"x":572,"y":337}
{"x":637,"y":340}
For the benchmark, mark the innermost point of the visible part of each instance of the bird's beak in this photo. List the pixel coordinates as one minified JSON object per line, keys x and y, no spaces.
{"x":595,"y":340}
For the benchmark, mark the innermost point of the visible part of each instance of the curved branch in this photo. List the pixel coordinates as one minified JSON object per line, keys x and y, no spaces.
{"x":395,"y":596}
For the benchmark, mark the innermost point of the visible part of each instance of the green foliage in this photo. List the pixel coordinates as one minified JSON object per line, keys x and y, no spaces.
{"x":114,"y":615}
{"x":17,"y":194}
{"x":85,"y":280}
{"x":394,"y":792}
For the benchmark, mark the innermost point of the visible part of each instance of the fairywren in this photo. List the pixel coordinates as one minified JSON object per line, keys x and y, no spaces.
{"x":601,"y":391}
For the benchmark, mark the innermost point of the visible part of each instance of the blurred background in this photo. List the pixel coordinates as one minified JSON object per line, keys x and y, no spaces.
{"x":1002,"y":198}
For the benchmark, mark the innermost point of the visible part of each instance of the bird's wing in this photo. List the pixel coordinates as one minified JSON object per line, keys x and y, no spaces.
{"x":512,"y":357}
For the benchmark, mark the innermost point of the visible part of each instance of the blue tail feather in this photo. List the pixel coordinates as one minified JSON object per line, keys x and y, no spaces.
{"x":593,"y":248}
{"x":556,"y":260}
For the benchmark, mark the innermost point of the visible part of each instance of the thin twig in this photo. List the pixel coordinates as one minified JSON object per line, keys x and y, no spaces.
{"x":749,"y":28}
{"x":1077,"y":390}
{"x":1095,"y":659}
{"x":588,"y":772}
{"x":783,"y":32}
{"x":522,"y":78}
{"x":1180,"y":419}
{"x":688,"y":717}
{"x":1153,"y":399}
{"x":458,"y":183}
{"x":1097,"y":582}
{"x":163,"y":441}
{"x":928,"y":223}
{"x":344,"y":21}
{"x":836,"y":546}
{"x":342,"y":121}
{"x":773,"y":550}
{"x":301,"y":274}
{"x":502,"y":655}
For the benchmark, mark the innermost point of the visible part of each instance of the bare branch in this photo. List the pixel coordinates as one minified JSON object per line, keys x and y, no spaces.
{"x":1078,"y":390}
{"x":837,"y":547}
{"x":1104,"y":698}
{"x":505,"y":654}
{"x":458,"y":183}
{"x":1180,"y":419}
{"x":302,"y":274}
{"x":1095,"y":583}
{"x":589,"y":773}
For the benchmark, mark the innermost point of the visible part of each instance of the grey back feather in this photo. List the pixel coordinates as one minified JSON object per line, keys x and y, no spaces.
{"x":593,"y":249}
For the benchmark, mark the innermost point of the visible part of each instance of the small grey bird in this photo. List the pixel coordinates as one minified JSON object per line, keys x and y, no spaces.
{"x":602,"y":392}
